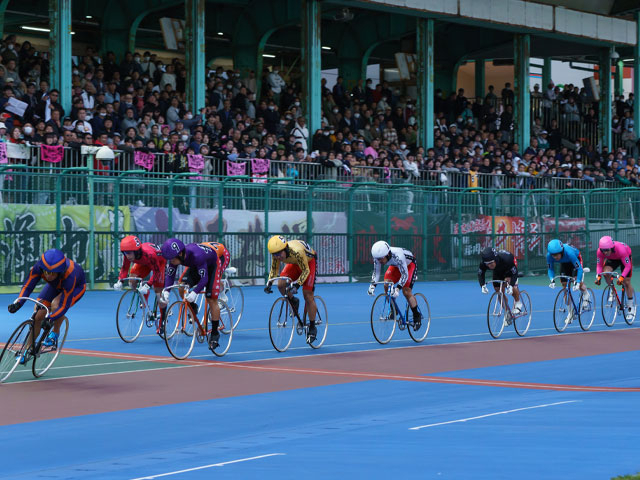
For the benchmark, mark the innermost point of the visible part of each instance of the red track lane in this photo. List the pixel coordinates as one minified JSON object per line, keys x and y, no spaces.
{"x":204,"y":380}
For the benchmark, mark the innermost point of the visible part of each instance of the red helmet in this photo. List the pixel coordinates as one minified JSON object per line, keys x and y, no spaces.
{"x":130,"y":243}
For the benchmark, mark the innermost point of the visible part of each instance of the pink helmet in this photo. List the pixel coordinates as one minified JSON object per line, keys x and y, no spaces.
{"x":606,"y":243}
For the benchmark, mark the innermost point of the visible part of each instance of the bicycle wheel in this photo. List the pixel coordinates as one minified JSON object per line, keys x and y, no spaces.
{"x":322,"y":322}
{"x":179,"y":328}
{"x":45,"y":356}
{"x":225,"y":328}
{"x":522,"y":322}
{"x":587,"y":310}
{"x":130,"y":316}
{"x":13,"y":349}
{"x":495,"y":314}
{"x":629,"y":320}
{"x":235,"y":302}
{"x":609,"y":306}
{"x":281,"y":323}
{"x":563,"y":310}
{"x":383,"y":319}
{"x":420,"y":333}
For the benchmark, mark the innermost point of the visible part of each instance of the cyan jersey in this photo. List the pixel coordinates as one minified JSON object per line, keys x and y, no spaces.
{"x":569,"y":255}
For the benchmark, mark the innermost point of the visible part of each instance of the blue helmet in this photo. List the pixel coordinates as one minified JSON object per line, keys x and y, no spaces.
{"x":53,"y":260}
{"x":172,"y":248}
{"x":555,"y":246}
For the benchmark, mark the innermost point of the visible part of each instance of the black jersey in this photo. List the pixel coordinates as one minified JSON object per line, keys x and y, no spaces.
{"x":506,"y":266}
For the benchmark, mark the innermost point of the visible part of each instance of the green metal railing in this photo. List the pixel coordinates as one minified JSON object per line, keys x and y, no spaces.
{"x":75,"y":209}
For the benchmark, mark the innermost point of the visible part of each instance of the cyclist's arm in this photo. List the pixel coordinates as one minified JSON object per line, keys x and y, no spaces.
{"x":402,"y":266}
{"x":626,"y":262}
{"x":575,"y":261}
{"x":66,"y":299}
{"x":599,"y":262}
{"x":482,"y":270}
{"x":376,"y":271}
{"x":155,"y":261}
{"x":550,"y":271}
{"x":512,"y":273}
{"x":124,"y":270}
{"x":34,"y":277}
{"x":273,"y":273}
{"x":204,"y":278}
{"x":169,"y":275}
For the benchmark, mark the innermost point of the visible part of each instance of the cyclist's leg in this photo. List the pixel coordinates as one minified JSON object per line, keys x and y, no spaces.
{"x":392,"y":275}
{"x":293,"y":272}
{"x":308,"y":288}
{"x":140,"y":271}
{"x":627,"y":281}
{"x":212,"y":290}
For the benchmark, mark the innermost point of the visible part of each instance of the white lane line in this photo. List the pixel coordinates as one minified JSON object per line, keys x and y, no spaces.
{"x":221,"y":464}
{"x":493,"y":414}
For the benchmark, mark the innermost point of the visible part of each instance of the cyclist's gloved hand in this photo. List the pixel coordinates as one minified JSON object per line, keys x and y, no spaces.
{"x":509,"y":290}
{"x":292,"y":288}
{"x":395,"y":291}
{"x":485,"y":289}
{"x":267,"y":289}
{"x":14,"y":307}
{"x":620,"y":280}
{"x":143,"y":289}
{"x":117,"y":285}
{"x":191,"y":296}
{"x":598,"y":280}
{"x":372,"y":288}
{"x":164,"y":298}
{"x":575,"y":286}
{"x":552,"y":285}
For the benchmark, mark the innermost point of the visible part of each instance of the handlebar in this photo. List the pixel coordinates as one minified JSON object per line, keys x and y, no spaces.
{"x":270,"y":282}
{"x":566,"y":277}
{"x":611,"y":274}
{"x":37,"y":303}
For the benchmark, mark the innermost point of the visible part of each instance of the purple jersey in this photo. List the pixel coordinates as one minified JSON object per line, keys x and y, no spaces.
{"x":197,"y":257}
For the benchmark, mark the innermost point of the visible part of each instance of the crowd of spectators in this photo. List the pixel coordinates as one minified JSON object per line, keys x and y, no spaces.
{"x":369,"y":130}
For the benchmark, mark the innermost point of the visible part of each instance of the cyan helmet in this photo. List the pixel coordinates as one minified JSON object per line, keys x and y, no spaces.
{"x":555,"y":246}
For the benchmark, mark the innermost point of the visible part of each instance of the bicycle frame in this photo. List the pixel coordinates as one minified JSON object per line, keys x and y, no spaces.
{"x":144,"y":300}
{"x":199,"y":323}
{"x":45,"y":327}
{"x":288,"y":280}
{"x":570,"y":282}
{"x":402,"y":323}
{"x":619,"y":302}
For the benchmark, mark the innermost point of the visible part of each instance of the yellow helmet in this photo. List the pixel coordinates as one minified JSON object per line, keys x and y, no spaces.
{"x":276,"y":244}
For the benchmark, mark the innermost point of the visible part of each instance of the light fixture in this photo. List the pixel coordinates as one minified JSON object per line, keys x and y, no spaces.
{"x":326,"y":48}
{"x":36,"y":29}
{"x":268,"y":55}
{"x":220,"y":33}
{"x":88,"y":16}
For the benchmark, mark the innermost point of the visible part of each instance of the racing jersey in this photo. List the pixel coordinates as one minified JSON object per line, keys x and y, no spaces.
{"x":401,"y":258}
{"x":151,"y":257}
{"x":506,"y":266}
{"x":569,"y":255}
{"x":621,"y":251}
{"x":298,"y":253}
{"x":200,"y":258}
{"x":64,"y":283}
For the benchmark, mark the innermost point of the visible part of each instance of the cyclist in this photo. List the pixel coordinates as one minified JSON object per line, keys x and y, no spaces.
{"x":203,"y":264}
{"x":225,"y":259}
{"x":505,"y":267}
{"x":401,"y":271}
{"x":300,"y":267}
{"x":570,"y":265}
{"x":65,"y":286}
{"x":146,"y":257}
{"x":612,"y":255}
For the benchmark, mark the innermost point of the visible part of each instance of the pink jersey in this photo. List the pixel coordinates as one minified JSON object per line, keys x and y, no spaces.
{"x":151,"y":257}
{"x":621,"y":251}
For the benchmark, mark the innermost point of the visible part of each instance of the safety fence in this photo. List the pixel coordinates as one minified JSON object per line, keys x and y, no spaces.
{"x":86,"y":214}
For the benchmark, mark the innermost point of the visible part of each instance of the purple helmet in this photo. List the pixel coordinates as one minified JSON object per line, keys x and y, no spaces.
{"x":172,"y":248}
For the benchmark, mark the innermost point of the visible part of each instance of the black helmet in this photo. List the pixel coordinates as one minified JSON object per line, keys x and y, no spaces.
{"x":489,"y":255}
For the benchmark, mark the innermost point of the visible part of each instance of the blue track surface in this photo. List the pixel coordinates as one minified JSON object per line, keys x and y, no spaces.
{"x":352,"y":430}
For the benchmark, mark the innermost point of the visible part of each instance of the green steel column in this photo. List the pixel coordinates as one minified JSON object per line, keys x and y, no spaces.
{"x":619,"y":89}
{"x":60,"y":50}
{"x":636,"y":78}
{"x":546,"y":74}
{"x":522,"y":111}
{"x":605,"y":96}
{"x":311,"y":64}
{"x":195,"y":58}
{"x":480,"y":78}
{"x":3,"y":9}
{"x":116,"y":223}
{"x":92,"y":234}
{"x":426,"y":92}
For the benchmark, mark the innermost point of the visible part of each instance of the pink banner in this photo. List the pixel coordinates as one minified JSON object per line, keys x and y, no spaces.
{"x":144,"y":160}
{"x":260,"y":166}
{"x":51,"y":153}
{"x":196,"y":164}
{"x":234,"y":169}
{"x":259,"y":178}
{"x":3,"y":153}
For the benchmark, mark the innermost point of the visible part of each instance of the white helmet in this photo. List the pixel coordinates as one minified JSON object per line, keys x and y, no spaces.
{"x":380,"y":249}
